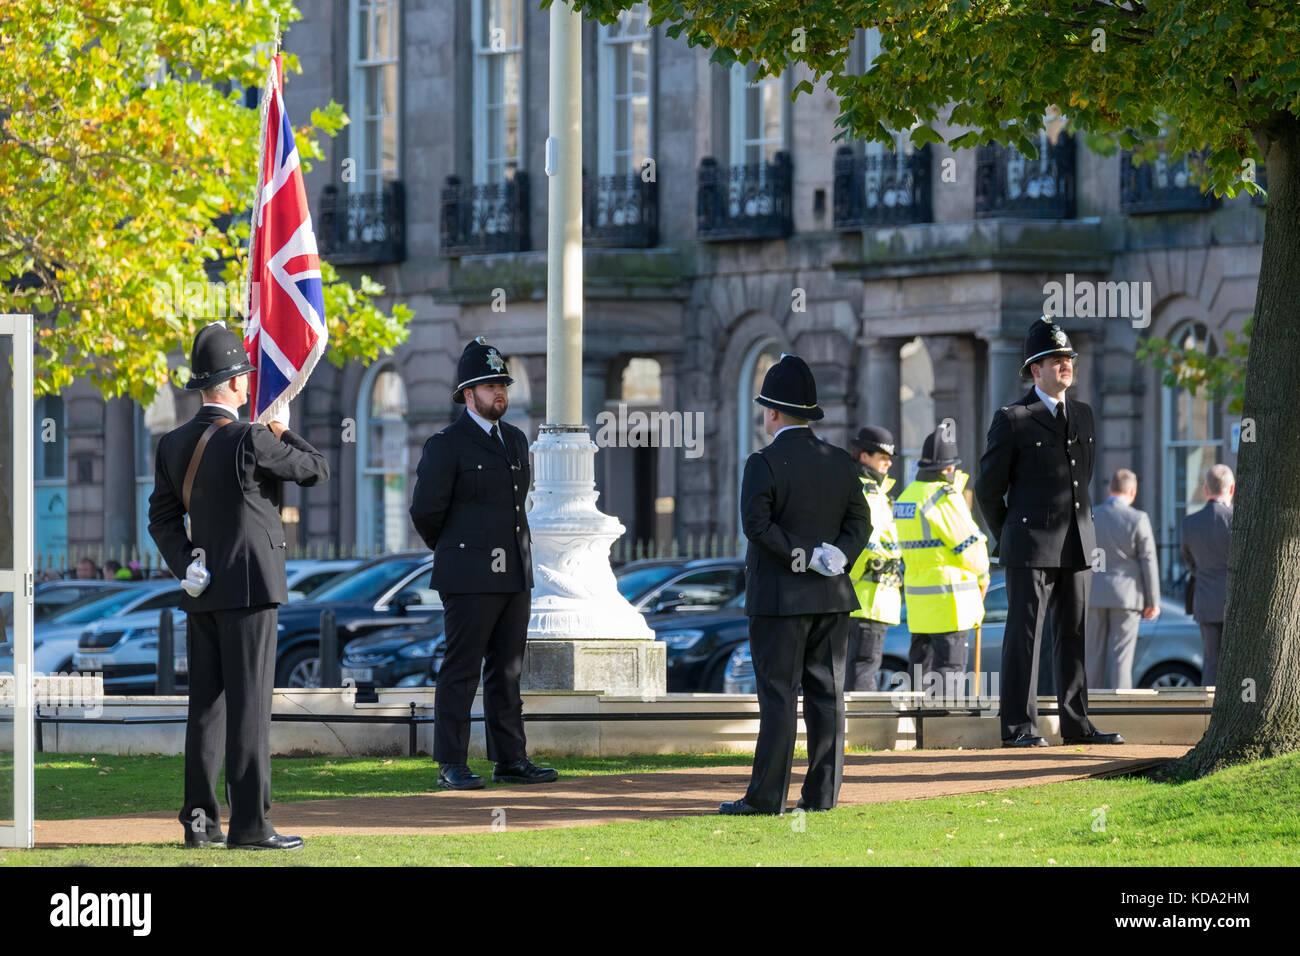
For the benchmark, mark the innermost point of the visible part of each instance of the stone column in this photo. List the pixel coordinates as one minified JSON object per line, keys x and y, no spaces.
{"x":119,"y":478}
{"x":1004,"y":383}
{"x":955,"y":392}
{"x":879,"y":380}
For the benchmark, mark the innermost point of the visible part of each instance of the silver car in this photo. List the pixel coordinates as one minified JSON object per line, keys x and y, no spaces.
{"x":125,"y":651}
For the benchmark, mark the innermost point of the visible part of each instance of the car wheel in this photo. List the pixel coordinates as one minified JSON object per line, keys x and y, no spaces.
{"x":1171,"y":674}
{"x":300,"y":668}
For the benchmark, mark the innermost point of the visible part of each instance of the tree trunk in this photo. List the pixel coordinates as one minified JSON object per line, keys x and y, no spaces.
{"x":1257,"y":702}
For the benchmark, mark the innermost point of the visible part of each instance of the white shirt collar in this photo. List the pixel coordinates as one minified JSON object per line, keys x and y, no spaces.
{"x":483,"y":423}
{"x":1050,"y":402}
{"x":786,"y":429}
{"x":232,"y":412}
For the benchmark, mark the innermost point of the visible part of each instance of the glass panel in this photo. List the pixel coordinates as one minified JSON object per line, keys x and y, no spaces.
{"x":48,"y":436}
{"x":766,"y":359}
{"x":363,"y":31}
{"x":6,"y":453}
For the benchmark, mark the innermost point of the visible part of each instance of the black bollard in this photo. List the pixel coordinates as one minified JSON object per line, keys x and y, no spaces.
{"x":330,"y":669}
{"x":166,"y":680}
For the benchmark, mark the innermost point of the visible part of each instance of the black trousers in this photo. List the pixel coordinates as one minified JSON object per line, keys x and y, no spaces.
{"x":865,"y":650}
{"x":787,"y":651}
{"x":942,"y":654}
{"x":1211,"y":639}
{"x":232,"y":678}
{"x":1030,"y":593}
{"x":485,"y":632}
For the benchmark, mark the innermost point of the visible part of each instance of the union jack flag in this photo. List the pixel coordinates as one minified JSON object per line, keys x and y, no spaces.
{"x":285,"y":333}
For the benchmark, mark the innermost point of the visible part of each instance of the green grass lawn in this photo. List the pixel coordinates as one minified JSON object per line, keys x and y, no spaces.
{"x":1243,"y":816}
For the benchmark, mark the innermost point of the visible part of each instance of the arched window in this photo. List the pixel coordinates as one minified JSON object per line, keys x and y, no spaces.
{"x":641,"y":382}
{"x":382,"y":455}
{"x":916,"y":399}
{"x":1191,"y":440}
{"x":752,"y":437}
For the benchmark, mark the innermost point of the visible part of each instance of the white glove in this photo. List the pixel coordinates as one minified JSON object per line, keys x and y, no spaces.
{"x":818,"y":562}
{"x":196,"y":578}
{"x":835,"y":558}
{"x":282,"y":416}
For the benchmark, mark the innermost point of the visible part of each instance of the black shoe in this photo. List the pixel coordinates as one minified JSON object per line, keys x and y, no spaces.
{"x":739,"y":808}
{"x":800,"y":805}
{"x":1025,"y":740}
{"x":1096,"y":737}
{"x":274,"y":842}
{"x":523,"y":770}
{"x":197,"y":841}
{"x":457,"y":776}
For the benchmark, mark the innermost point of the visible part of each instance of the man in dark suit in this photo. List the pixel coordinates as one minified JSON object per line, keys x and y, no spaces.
{"x":1033,"y":491}
{"x":806,"y":519}
{"x":1206,"y":535}
{"x":469,"y":507}
{"x":225,"y":475}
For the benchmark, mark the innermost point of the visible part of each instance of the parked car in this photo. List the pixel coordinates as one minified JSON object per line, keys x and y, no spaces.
{"x":374,"y":595}
{"x":304,"y":575}
{"x":1168,"y":651}
{"x":407,"y":655}
{"x":53,"y":597}
{"x":700,"y":642}
{"x":55,"y":639}
{"x":124,"y":649}
{"x":656,"y":585}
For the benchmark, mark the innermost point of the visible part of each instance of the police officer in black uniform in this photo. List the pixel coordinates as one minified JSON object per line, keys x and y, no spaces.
{"x":802,"y":509}
{"x":226,"y":475}
{"x":468,"y":506}
{"x":1033,"y":491}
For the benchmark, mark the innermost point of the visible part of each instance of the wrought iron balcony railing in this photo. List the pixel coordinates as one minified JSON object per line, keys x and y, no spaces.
{"x":620,"y":211}
{"x":485,"y":218}
{"x":1161,"y":186}
{"x":744,"y":202}
{"x":1008,"y":183}
{"x":363,"y":228}
{"x":881,"y":189}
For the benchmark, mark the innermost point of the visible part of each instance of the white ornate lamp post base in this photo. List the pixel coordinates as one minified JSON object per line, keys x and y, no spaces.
{"x":582,"y":633}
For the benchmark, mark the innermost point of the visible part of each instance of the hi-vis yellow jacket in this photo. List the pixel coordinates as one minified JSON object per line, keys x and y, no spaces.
{"x":878,"y":573}
{"x":946,"y":563}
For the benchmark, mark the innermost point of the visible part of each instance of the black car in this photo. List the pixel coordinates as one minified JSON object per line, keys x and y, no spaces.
{"x":700,"y":643}
{"x":407,"y":655}
{"x":372,"y":596}
{"x":656,"y":585}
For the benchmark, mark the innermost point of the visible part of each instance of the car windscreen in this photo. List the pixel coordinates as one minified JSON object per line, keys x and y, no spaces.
{"x":364,"y":584}
{"x":640,"y":580}
{"x":99,"y":606}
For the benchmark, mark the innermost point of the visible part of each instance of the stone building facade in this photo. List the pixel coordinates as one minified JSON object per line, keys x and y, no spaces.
{"x":724,"y":225}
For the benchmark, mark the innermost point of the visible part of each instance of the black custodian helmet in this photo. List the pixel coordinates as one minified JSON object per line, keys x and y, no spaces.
{"x":1045,"y":338}
{"x":217,"y":356}
{"x":480,"y":364}
{"x":789,"y":387}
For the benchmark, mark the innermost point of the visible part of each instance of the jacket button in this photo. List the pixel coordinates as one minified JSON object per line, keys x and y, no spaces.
{"x":462,"y":544}
{"x":1038,"y":444}
{"x":516,"y":487}
{"x":516,"y":507}
{"x":1071,"y":462}
{"x":1076,"y":484}
{"x":516,"y":527}
{"x":1076,"y":504}
{"x":480,"y":467}
{"x":1022,"y":521}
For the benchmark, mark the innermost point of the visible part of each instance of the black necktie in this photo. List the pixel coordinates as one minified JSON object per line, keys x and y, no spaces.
{"x":497,"y":435}
{"x":1060,"y":416}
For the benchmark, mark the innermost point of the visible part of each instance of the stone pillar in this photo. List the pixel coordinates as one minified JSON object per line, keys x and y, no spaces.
{"x":955,"y":393}
{"x":1004,"y":383}
{"x":119,"y":477}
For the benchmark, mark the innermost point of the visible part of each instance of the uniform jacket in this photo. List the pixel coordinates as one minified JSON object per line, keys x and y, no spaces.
{"x":1033,"y":485}
{"x":1206,"y":534}
{"x":946,"y":561}
{"x":796,"y":493}
{"x":1131,"y":579}
{"x":234,"y":507}
{"x":469,"y":506}
{"x":878,"y":573}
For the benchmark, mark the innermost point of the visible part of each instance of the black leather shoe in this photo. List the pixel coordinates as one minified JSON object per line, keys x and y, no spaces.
{"x":1096,"y":737}
{"x":457,"y":776}
{"x":274,"y":842}
{"x":1025,"y":740}
{"x":800,"y":805}
{"x":198,"y":841}
{"x":739,"y":808}
{"x":523,"y":771}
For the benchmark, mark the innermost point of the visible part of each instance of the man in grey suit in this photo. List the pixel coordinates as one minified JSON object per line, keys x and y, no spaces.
{"x":1205,"y":549}
{"x":1128,"y":586}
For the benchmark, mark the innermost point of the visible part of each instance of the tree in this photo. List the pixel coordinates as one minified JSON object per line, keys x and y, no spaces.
{"x":1142,"y":74}
{"x":128,"y":162}
{"x":1219,"y":376}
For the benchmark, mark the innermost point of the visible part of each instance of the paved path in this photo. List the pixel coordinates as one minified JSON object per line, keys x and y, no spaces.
{"x":584,"y":801}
